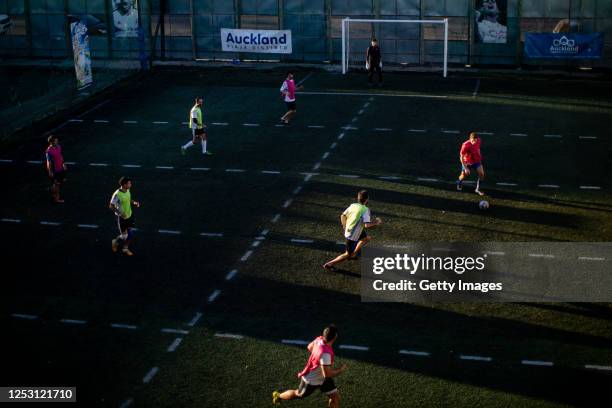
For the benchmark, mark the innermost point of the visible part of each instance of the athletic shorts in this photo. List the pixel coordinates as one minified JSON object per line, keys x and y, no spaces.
{"x":473,"y":166}
{"x":351,"y":245}
{"x":125,"y":223}
{"x":59,"y":177}
{"x":328,"y":388}
{"x":291,"y":105}
{"x":198,"y":132}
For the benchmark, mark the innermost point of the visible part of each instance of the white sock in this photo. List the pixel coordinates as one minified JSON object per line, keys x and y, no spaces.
{"x":188,"y":145}
{"x":477,"y":184}
{"x":203,"y":146}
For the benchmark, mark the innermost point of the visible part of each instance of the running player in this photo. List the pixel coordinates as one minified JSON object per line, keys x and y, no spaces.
{"x":121,"y":203}
{"x":56,"y":167}
{"x":288,"y":92}
{"x":471,"y":159}
{"x":319,"y":371}
{"x":197,"y":127}
{"x":355,"y":220}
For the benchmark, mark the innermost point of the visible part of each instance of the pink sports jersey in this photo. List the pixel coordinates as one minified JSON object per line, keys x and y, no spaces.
{"x":54,"y":155}
{"x":290,"y":89}
{"x":314,"y":361}
{"x":471,"y":152}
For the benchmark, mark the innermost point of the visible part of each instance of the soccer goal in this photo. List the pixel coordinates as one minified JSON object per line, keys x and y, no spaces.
{"x":403,"y":42}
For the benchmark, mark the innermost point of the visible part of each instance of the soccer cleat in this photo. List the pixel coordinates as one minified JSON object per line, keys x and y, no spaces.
{"x":127,"y":252}
{"x":114,"y":245}
{"x":183,"y":150}
{"x":459,"y":186}
{"x":276,"y":398}
{"x":480,"y":193}
{"x":329,"y":268}
{"x":207,"y":153}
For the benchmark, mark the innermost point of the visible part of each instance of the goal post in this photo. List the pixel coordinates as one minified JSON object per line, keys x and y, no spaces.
{"x":346,"y":37}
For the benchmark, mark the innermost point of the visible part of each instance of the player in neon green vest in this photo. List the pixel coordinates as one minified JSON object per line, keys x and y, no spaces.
{"x":198,"y":128}
{"x":121,"y":204}
{"x":355,"y":220}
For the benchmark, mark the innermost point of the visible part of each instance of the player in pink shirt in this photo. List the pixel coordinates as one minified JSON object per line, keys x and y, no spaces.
{"x":56,"y":168}
{"x":288,"y":93}
{"x":318,"y":372}
{"x":471,"y":159}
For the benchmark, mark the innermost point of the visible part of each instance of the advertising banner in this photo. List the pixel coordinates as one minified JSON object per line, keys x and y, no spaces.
{"x":260,"y":41}
{"x":82,"y":57}
{"x":491,"y":21}
{"x":125,"y":18}
{"x":565,"y":45}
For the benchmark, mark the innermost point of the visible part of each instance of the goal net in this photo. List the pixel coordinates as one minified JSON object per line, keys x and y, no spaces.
{"x":415,"y":43}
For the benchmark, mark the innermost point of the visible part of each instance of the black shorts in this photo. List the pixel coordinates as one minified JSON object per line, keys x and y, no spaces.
{"x":125,"y":223}
{"x":197,"y":133}
{"x":291,"y":105}
{"x":351,"y":245}
{"x":328,"y":387}
{"x":59,"y":177}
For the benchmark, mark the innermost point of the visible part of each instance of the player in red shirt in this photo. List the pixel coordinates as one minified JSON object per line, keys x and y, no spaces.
{"x":56,"y":168}
{"x":471,"y":159}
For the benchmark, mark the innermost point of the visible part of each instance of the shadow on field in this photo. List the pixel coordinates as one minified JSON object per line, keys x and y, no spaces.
{"x":447,"y":204}
{"x":279,"y":310}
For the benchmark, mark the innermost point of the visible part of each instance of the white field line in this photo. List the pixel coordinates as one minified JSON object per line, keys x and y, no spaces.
{"x":6,"y":161}
{"x":270,"y":172}
{"x":172,"y":347}
{"x":255,"y":243}
{"x":349,"y":128}
{"x":297,"y":190}
{"x":498,"y":253}
{"x":295,"y":342}
{"x":316,"y":166}
{"x":24,"y":316}
{"x":308,"y":176}
{"x":199,"y":168}
{"x":333,"y":145}
{"x":340,"y":136}
{"x":553,"y":136}
{"x":547,"y":256}
{"x":415,"y":353}
{"x":587,"y":137}
{"x":123,"y":326}
{"x":214,"y":295}
{"x":389,"y":178}
{"x":98,"y":164}
{"x":354,"y":120}
{"x":476,"y":88}
{"x":548,"y":185}
{"x":518,"y":134}
{"x":165,"y":167}
{"x":352,"y":176}
{"x":229,"y":336}
{"x":70,"y":163}
{"x":597,"y":367}
{"x":34,"y":162}
{"x":486,"y":133}
{"x":89,"y":226}
{"x":325,"y":156}
{"x":195,"y":319}
{"x":507,"y":184}
{"x":13,"y":220}
{"x":131,"y":166}
{"x":246,"y":255}
{"x":475,"y":358}
{"x":211,"y":234}
{"x":50,"y":223}
{"x":365,"y":105}
{"x":315,"y":126}
{"x":537,"y":363}
{"x":128,"y":402}
{"x":417,"y":130}
{"x":433,"y":180}
{"x":219,"y":123}
{"x":130,"y":121}
{"x":100,"y":121}
{"x":160,"y":122}
{"x":250,"y":124}
{"x":149,"y":376}
{"x":75,"y":120}
{"x":169,"y":232}
{"x":73,"y":321}
{"x":302,"y":241}
{"x":276,"y":218}
{"x":451,"y":131}
{"x":383,"y":129}
{"x":591,"y":258}
{"x":360,"y":112}
{"x":174,"y":331}
{"x":376,"y":94}
{"x":287,"y":203}
{"x":265,"y":232}
{"x":230,"y":275}
{"x":352,"y":347}
{"x":590,"y":187}
{"x":234,"y":170}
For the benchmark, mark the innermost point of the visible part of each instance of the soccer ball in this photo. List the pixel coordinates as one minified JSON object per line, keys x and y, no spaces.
{"x":483,"y":205}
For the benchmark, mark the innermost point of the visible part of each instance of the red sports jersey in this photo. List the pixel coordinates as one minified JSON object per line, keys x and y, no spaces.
{"x":470,"y":153}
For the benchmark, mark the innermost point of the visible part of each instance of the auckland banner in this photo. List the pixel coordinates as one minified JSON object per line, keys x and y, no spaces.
{"x":563,"y":45}
{"x":261,"y":41}
{"x":82,"y":57}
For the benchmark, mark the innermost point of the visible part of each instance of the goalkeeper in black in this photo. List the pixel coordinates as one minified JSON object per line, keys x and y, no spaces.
{"x":374,"y":62}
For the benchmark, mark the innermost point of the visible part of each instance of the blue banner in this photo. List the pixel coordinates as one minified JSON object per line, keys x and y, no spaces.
{"x":82,"y":56}
{"x":563,"y":45}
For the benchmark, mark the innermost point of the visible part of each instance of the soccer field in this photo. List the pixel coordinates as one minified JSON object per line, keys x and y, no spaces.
{"x":227,"y":282}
